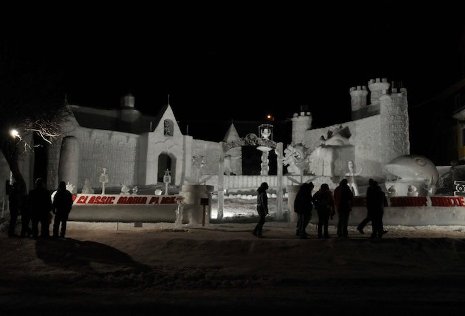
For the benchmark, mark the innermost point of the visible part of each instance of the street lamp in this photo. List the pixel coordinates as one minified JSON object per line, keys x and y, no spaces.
{"x":15,"y":134}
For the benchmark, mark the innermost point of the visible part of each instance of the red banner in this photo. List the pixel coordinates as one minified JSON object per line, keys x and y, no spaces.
{"x":110,"y":199}
{"x":412,"y":201}
{"x":447,"y":201}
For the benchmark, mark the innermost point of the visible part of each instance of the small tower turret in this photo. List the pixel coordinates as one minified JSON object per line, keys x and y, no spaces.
{"x":358,"y":97}
{"x":301,"y":122}
{"x":376,"y":86}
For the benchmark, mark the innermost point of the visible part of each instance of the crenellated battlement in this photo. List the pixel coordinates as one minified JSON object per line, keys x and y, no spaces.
{"x":377,"y":80}
{"x":302,"y":114}
{"x":359,"y":88}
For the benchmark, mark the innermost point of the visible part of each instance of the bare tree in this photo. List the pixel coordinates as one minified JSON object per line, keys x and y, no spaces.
{"x":31,"y":101}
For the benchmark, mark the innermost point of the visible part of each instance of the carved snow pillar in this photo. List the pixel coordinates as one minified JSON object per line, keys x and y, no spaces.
{"x":221,"y":183}
{"x":279,"y":193}
{"x":264,"y":165}
{"x":68,"y":169}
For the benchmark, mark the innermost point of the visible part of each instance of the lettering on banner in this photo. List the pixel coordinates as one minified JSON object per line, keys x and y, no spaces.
{"x":447,"y":201}
{"x":93,"y":199}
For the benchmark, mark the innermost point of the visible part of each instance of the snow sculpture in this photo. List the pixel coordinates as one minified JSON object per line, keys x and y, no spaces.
{"x":135,"y":189}
{"x":351,"y":175}
{"x":391,"y":191}
{"x":266,"y":133}
{"x":179,"y":211}
{"x":167,"y":180}
{"x":412,"y":190}
{"x":412,"y":170}
{"x":124,"y":189}
{"x":265,"y":161}
{"x":71,"y":187}
{"x":103,"y":179}
{"x":294,"y":159}
{"x":87,"y":188}
{"x":198,"y":163}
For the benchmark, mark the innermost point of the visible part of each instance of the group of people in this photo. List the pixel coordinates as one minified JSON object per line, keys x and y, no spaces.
{"x":36,"y":210}
{"x":327,"y":205}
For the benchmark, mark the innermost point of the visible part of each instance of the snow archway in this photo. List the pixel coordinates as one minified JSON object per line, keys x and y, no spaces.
{"x":251,"y":140}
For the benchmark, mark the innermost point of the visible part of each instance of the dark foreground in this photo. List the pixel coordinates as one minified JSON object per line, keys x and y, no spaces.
{"x":224,"y":270}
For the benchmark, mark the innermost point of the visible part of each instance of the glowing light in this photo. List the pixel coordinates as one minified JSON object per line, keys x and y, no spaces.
{"x":269,"y":117}
{"x":14,"y":133}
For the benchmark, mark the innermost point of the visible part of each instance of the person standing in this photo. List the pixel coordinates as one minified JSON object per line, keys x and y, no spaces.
{"x":14,"y":201}
{"x":262,"y":208}
{"x":343,"y":197}
{"x":370,"y":200}
{"x":303,"y":206}
{"x":62,"y":204}
{"x":25,"y":211}
{"x":40,"y":205}
{"x":324,"y":204}
{"x":379,"y":202}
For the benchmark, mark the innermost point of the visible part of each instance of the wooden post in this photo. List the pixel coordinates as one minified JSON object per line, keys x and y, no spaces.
{"x":204,"y":202}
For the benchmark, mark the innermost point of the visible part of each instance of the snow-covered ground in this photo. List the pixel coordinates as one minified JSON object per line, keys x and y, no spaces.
{"x":120,"y":269}
{"x":222,"y":269}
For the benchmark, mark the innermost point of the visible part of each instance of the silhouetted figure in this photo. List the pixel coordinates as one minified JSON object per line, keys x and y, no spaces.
{"x":343,"y":197}
{"x":303,"y":207}
{"x":324,"y":204}
{"x":25,"y":211}
{"x":14,"y":199}
{"x":40,"y":206}
{"x":262,"y":208}
{"x":62,"y":204}
{"x":379,"y":202}
{"x":370,"y":203}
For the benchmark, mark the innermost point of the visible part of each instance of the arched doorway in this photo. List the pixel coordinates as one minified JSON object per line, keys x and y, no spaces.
{"x":166,"y":162}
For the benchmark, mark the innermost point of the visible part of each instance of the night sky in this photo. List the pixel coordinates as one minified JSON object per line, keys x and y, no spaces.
{"x":223,"y":63}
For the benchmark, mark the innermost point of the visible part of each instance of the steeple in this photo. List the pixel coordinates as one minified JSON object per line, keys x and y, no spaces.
{"x":231,"y":134}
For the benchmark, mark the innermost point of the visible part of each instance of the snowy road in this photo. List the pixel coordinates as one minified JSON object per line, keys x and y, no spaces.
{"x":223,"y":269}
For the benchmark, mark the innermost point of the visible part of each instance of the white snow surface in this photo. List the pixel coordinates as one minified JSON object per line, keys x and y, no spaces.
{"x":120,"y":269}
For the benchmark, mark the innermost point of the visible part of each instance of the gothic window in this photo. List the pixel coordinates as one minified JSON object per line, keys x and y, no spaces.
{"x":168,"y":128}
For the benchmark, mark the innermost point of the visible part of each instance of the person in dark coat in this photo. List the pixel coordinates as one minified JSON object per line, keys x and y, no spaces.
{"x":262,"y":208}
{"x":24,"y":210}
{"x":62,"y":204}
{"x":14,"y":199}
{"x":303,"y":207}
{"x":324,"y":204}
{"x":379,"y":202}
{"x":40,"y":206}
{"x":343,"y":197}
{"x":369,"y":198}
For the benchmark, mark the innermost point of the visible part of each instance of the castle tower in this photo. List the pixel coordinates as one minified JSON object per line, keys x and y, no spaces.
{"x":301,"y":122}
{"x":376,"y":86}
{"x":358,"y":97}
{"x":394,"y":125}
